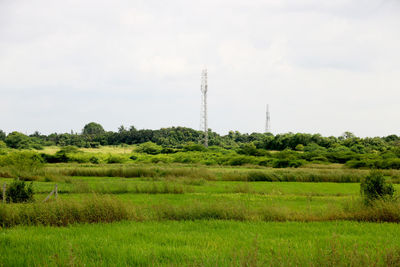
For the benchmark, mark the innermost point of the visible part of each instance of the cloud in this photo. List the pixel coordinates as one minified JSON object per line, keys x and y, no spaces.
{"x":323,"y":66}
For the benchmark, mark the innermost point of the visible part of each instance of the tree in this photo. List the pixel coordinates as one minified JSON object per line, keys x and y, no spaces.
{"x":348,"y":135}
{"x":93,"y":129}
{"x":375,"y":186}
{"x":2,"y":135}
{"x":18,"y":140}
{"x":18,"y":191}
{"x":149,"y":148}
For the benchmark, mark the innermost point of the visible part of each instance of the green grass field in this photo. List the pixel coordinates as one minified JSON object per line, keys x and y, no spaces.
{"x":203,"y":243}
{"x":190,"y":215}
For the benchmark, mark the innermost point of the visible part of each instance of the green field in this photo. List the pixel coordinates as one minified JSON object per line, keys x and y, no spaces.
{"x":203,"y":243}
{"x":194,"y":215}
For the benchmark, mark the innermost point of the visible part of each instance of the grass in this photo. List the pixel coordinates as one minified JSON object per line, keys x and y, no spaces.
{"x":103,"y":208}
{"x":188,"y":214}
{"x":203,"y":243}
{"x":339,"y":175}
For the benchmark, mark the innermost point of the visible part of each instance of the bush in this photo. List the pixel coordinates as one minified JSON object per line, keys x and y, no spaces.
{"x":68,"y":150}
{"x":375,"y":186}
{"x":115,"y":159}
{"x":23,"y":165}
{"x":149,"y":148}
{"x":256,"y":176}
{"x":18,"y":141}
{"x":94,"y":160}
{"x":194,"y":147}
{"x":286,"y":163}
{"x":18,"y":192}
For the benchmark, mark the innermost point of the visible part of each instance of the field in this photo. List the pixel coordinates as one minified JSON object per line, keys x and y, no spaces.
{"x":203,"y":243}
{"x":174,"y":214}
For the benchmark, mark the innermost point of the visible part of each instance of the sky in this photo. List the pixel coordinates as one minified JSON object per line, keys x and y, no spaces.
{"x":322,"y":66}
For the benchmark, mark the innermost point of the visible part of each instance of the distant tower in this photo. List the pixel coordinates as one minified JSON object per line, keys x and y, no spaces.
{"x":203,"y":112}
{"x":267,"y":121}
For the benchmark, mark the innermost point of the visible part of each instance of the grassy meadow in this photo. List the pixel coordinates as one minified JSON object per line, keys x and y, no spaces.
{"x":147,"y":213}
{"x":203,"y":243}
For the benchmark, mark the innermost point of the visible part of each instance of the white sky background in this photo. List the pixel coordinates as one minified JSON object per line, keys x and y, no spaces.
{"x":323,"y":66}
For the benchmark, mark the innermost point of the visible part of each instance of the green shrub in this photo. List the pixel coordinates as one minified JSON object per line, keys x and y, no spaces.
{"x":69,"y":150}
{"x":257,"y":176}
{"x":239,"y":160}
{"x":56,"y":158}
{"x":149,"y":148}
{"x":94,"y":160}
{"x":115,"y":159}
{"x":285,"y":163}
{"x":168,"y":150}
{"x":375,"y":186}
{"x":18,"y":192}
{"x":18,"y":141}
{"x":24,"y":165}
{"x":193,"y":147}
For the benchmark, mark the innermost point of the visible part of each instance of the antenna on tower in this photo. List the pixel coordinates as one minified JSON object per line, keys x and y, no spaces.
{"x":267,"y":121}
{"x":203,"y":112}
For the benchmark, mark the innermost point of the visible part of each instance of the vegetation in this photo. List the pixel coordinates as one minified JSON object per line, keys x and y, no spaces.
{"x":377,"y":152}
{"x":375,"y":186}
{"x":249,"y":193}
{"x":18,"y":192}
{"x":203,"y":243}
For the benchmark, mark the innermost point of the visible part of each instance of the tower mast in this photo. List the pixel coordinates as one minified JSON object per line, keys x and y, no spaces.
{"x":203,"y":113}
{"x":267,"y":121}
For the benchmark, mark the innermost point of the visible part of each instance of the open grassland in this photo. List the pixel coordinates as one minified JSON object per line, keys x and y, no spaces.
{"x":108,"y":199}
{"x":143,"y":214}
{"x":312,"y":173}
{"x":203,"y":243}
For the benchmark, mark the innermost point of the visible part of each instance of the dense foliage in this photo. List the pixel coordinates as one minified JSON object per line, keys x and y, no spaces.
{"x":375,"y":187}
{"x":18,"y":191}
{"x":295,"y":149}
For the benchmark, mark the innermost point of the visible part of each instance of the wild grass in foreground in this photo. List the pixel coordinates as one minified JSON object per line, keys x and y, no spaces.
{"x":203,"y":243}
{"x":104,"y":208}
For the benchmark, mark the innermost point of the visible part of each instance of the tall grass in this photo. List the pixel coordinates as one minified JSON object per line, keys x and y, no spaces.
{"x":107,"y":209}
{"x":287,"y":175}
{"x":134,"y":172}
{"x":61,"y":213}
{"x":123,"y":188}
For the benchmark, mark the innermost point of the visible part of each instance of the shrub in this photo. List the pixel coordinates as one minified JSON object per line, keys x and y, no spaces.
{"x":285,"y":163}
{"x":18,"y":192}
{"x":18,"y":141}
{"x":256,"y":176}
{"x":149,"y":148}
{"x":239,"y":160}
{"x":375,"y":186}
{"x":94,"y":160}
{"x":115,"y":159}
{"x":193,"y":147}
{"x":23,"y":165}
{"x":69,"y":150}
{"x":168,"y":150}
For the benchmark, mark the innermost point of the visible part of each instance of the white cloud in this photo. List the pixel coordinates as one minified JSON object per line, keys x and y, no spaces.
{"x":324,"y":66}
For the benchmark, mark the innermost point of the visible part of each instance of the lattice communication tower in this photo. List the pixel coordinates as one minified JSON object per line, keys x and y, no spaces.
{"x":203,"y":112}
{"x":267,"y":121}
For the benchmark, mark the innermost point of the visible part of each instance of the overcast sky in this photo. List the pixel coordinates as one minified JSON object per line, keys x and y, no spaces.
{"x":323,"y":66}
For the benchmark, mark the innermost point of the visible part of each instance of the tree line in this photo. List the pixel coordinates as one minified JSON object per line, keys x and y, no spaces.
{"x":93,"y":135}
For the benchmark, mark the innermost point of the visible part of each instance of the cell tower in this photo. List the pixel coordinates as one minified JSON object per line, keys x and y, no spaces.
{"x":267,"y":121}
{"x":203,"y":112}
